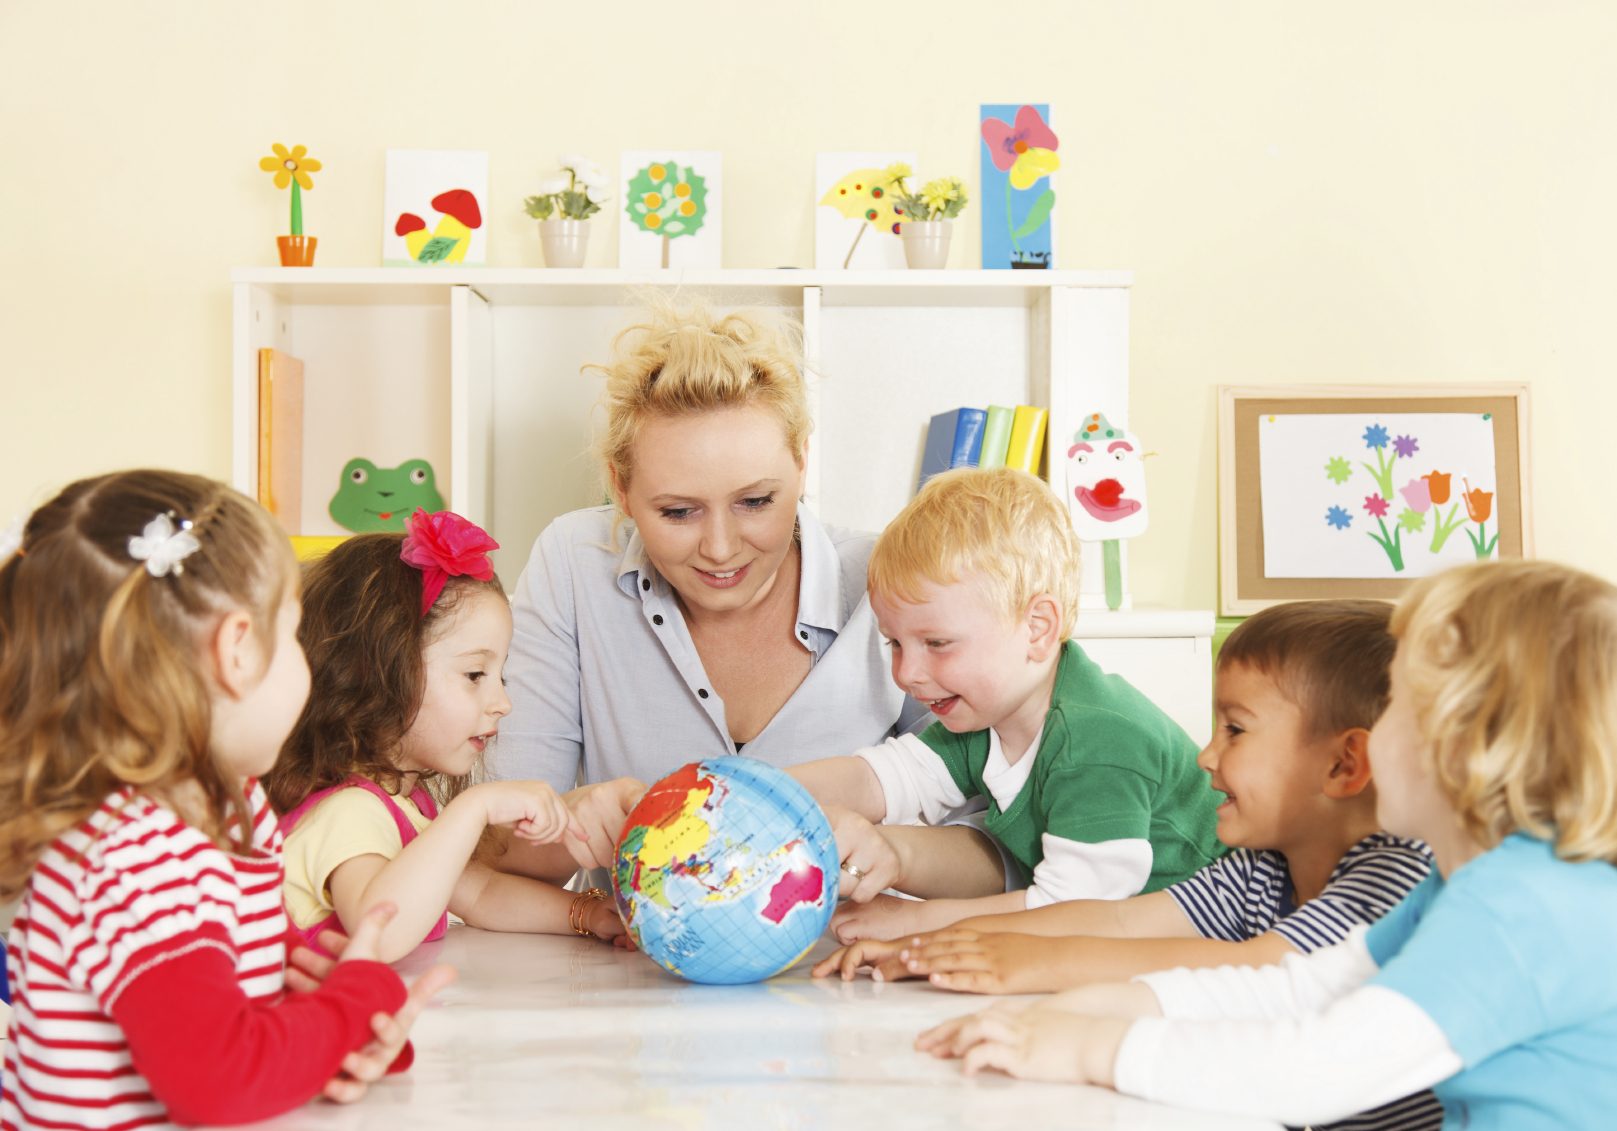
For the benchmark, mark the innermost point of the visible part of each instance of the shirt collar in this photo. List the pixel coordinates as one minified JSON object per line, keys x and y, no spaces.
{"x":819,"y":590}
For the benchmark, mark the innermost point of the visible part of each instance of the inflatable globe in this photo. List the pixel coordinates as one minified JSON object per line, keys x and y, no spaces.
{"x":726,"y":871}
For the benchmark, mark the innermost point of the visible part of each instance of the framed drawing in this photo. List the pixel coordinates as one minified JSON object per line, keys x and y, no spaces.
{"x":1353,"y":491}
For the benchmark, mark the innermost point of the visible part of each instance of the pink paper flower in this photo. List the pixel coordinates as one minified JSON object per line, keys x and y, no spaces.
{"x":1376,"y":505}
{"x":1418,"y":494}
{"x":445,"y":545}
{"x":1006,"y":143}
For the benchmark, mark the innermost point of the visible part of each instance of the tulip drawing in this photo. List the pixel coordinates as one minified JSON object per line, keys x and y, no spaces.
{"x":1479,"y":506}
{"x":1437,"y":487}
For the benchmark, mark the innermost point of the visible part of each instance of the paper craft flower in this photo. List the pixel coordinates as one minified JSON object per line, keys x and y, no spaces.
{"x":1406,"y":446}
{"x":575,"y":193}
{"x":1375,"y":436}
{"x":1026,"y":148}
{"x":1438,"y":483}
{"x":1376,"y":506}
{"x":1412,"y":520}
{"x":1338,"y":470}
{"x":291,"y":167}
{"x":1437,"y":490}
{"x":1478,"y":503}
{"x":1418,"y":494}
{"x":1338,"y":518}
{"x":444,"y":545}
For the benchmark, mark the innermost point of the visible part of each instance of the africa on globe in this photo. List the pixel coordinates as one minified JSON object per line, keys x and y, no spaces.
{"x":726,"y":871}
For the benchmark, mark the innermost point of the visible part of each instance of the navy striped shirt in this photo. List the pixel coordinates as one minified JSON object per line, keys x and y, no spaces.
{"x":1247,"y":893}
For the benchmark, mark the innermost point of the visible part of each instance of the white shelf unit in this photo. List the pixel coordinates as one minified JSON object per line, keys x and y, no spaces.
{"x":478,"y":371}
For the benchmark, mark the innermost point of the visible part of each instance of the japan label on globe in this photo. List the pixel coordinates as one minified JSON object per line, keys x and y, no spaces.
{"x":726,"y":871}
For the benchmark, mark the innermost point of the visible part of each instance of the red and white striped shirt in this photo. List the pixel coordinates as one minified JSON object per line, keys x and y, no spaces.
{"x":137,"y":928}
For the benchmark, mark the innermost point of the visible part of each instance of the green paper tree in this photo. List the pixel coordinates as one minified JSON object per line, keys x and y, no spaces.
{"x":667,"y":199}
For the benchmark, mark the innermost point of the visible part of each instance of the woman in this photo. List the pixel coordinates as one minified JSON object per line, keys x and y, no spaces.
{"x":706,"y":611}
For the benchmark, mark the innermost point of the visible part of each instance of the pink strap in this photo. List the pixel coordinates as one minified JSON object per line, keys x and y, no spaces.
{"x":422,"y":800}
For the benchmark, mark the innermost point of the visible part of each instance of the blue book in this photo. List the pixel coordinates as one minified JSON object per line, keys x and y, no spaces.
{"x":968,"y":437}
{"x":939,"y":450}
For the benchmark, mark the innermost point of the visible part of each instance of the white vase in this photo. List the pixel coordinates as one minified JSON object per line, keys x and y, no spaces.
{"x":926,"y":243}
{"x":564,"y":242}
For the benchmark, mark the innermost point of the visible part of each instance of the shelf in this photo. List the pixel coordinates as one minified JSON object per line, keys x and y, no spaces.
{"x":594,"y":287}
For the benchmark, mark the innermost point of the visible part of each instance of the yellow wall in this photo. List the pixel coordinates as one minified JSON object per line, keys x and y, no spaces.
{"x":1372,"y":192}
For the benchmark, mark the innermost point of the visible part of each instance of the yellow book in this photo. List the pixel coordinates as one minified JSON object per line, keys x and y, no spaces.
{"x":1027,"y":438}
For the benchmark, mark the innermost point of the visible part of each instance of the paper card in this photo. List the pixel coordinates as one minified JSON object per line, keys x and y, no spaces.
{"x":433,"y":208}
{"x":672,"y":213}
{"x":854,"y":217}
{"x":1105,"y":481}
{"x":1375,"y":495}
{"x":1019,"y":156}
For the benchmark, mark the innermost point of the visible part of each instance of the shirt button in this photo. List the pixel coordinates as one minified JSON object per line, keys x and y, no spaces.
{"x":803,"y":633}
{"x":656,"y":618}
{"x":645,"y":583}
{"x":702,"y":691}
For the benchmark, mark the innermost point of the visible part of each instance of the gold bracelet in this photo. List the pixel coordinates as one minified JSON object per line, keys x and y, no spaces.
{"x":578,"y":912}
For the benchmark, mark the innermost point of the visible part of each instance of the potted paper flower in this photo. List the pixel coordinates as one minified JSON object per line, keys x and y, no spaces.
{"x":292,"y":167}
{"x":928,"y":215}
{"x":562,"y":205}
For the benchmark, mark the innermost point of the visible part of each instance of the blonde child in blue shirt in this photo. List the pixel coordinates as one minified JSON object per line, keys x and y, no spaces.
{"x":1491,"y":983}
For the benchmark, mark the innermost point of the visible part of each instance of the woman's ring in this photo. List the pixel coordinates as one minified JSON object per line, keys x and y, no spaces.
{"x":855,"y":871}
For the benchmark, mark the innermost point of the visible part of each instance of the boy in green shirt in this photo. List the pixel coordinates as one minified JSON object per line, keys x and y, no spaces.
{"x":1091,"y":789}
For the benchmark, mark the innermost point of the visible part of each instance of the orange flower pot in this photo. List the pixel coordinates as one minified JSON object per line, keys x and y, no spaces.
{"x":296,"y":251}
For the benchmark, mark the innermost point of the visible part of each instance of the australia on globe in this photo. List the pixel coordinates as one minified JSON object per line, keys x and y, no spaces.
{"x":726,"y":871}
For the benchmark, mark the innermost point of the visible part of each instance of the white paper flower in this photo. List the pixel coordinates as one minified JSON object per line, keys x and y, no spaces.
{"x":552,"y":185}
{"x":162,"y":547}
{"x":11,"y":537}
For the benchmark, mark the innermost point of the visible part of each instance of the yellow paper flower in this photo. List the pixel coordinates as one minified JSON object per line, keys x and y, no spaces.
{"x":287,"y":164}
{"x":1031,"y":164}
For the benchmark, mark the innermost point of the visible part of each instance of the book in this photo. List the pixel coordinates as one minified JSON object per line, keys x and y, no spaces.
{"x":968,"y":437}
{"x":1027,"y":438}
{"x":996,"y":436}
{"x":939,"y":447}
{"x":280,"y":437}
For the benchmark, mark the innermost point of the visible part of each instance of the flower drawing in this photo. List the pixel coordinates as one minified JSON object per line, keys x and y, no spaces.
{"x":1375,"y":436}
{"x":1479,"y":505}
{"x":1338,"y":518}
{"x":292,"y":167}
{"x":1376,"y":506}
{"x":1025,"y":150}
{"x":1411,"y":520}
{"x":1406,"y":446}
{"x":1338,"y":470}
{"x":1438,"y":484}
{"x":1417,"y":493}
{"x":1443,"y":524}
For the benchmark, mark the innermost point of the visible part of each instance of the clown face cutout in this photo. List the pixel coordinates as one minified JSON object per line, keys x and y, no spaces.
{"x":1106,"y":481}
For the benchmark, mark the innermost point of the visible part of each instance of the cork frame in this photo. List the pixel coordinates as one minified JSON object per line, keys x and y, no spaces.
{"x":1243,"y":586}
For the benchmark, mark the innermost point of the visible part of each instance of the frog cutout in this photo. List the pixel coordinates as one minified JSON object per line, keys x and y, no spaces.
{"x":1106,"y":481}
{"x":380,"y":498}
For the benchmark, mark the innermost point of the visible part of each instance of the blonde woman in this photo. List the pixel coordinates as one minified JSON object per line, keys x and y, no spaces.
{"x":704,"y":612}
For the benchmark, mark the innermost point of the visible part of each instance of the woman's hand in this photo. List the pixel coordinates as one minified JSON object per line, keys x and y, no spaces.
{"x":870,"y":863}
{"x":599,"y":811}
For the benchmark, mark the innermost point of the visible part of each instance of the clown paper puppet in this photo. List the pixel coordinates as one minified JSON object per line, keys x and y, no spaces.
{"x":1106,"y":481}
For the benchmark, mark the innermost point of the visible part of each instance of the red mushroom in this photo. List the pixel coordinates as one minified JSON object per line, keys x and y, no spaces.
{"x":408,"y":222}
{"x":460,"y":204}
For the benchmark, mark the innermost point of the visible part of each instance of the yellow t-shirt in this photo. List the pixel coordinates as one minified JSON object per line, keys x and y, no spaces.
{"x":349,"y":823}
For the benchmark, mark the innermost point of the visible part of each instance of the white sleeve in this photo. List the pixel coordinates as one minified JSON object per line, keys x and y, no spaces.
{"x":914,"y":781}
{"x":1366,"y":1048}
{"x":1301,"y":984}
{"x":1111,"y":869}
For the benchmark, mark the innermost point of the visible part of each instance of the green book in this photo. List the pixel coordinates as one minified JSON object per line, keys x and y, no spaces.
{"x":996,"y":436}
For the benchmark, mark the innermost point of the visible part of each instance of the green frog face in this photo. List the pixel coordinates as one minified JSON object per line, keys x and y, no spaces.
{"x":381,"y":498}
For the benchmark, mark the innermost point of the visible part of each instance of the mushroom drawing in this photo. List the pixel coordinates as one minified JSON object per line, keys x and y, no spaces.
{"x":450,"y":240}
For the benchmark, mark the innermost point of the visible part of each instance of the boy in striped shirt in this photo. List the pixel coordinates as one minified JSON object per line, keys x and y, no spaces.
{"x":1297,"y":689}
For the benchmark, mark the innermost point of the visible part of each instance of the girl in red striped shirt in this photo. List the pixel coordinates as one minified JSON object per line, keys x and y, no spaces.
{"x":149,"y":672}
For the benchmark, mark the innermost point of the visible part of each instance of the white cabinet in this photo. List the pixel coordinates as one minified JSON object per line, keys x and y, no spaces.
{"x":478,"y":371}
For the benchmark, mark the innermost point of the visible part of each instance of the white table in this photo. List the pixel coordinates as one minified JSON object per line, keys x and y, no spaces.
{"x":549,"y":1032}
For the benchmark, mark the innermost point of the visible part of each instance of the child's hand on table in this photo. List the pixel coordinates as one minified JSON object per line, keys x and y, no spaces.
{"x":958,"y":958}
{"x":880,"y":957}
{"x":369,"y":1063}
{"x":1031,"y":1044}
{"x":884,"y":917}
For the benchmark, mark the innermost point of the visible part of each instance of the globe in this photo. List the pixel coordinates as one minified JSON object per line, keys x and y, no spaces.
{"x":726,"y":871}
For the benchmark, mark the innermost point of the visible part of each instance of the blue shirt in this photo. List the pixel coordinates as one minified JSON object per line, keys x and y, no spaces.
{"x":1512,"y":958}
{"x":604,"y":676}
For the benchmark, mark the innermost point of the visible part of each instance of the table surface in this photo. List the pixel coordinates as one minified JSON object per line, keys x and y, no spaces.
{"x":544,"y":1031}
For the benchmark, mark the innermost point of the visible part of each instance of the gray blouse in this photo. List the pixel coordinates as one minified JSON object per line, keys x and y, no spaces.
{"x":605,"y":681}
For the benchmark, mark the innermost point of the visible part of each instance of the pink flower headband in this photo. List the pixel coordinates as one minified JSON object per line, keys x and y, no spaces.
{"x":444,"y":545}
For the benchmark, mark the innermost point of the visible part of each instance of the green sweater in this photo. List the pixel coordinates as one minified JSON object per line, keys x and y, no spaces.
{"x":1110,"y":766}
